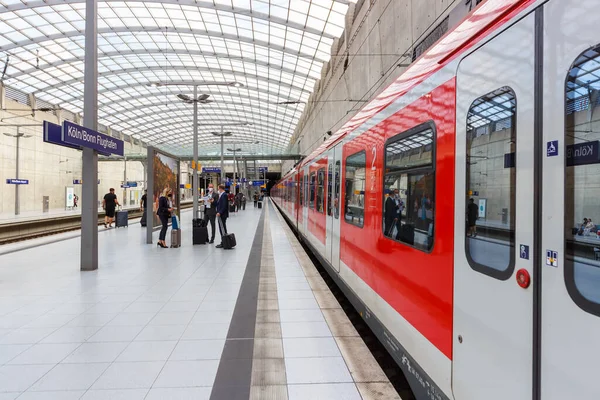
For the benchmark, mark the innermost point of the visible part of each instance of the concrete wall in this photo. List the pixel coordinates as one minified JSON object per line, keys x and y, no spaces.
{"x":378,"y":37}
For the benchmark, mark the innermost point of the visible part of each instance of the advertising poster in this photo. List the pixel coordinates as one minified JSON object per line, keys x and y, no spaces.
{"x":70,"y":197}
{"x":166,"y":176}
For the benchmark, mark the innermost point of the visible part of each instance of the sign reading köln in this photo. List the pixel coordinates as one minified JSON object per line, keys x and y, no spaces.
{"x":83,"y":137}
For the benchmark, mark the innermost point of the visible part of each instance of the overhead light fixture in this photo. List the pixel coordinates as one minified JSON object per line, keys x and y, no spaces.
{"x":236,"y":84}
{"x":221,"y":134}
{"x":154,"y":84}
{"x":184,"y":97}
{"x":290,"y":102}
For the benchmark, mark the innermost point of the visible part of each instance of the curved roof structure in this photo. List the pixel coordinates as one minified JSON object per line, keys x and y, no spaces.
{"x":151,"y":51}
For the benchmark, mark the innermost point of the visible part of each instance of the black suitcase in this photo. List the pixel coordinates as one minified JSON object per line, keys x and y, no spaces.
{"x":143,"y":220}
{"x":232,"y":208}
{"x":229,"y":239}
{"x":200,"y":235}
{"x":122,"y":219}
{"x":260,"y":204}
{"x":406,"y":234}
{"x":199,"y":223}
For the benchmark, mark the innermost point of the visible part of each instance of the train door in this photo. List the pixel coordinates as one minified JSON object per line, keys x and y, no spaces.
{"x":335,"y":207}
{"x":333,"y":213}
{"x":328,"y":208}
{"x":494,"y":218}
{"x":305,"y":187}
{"x":570,"y":270}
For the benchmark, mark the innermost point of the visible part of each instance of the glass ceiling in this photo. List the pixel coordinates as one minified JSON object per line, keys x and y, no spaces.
{"x":274,"y":48}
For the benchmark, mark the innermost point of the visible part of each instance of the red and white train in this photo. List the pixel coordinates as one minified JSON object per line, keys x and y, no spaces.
{"x":448,"y":209}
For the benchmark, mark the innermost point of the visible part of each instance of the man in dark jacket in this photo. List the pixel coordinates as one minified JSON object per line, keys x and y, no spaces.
{"x":210,"y":210}
{"x":391,"y":213}
{"x":222,"y":212}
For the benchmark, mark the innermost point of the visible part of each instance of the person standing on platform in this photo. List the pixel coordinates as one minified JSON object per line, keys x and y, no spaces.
{"x":472,"y":214}
{"x":109,"y":204}
{"x":222,"y":213}
{"x":143,"y":204}
{"x":210,"y":210}
{"x":164,"y":211}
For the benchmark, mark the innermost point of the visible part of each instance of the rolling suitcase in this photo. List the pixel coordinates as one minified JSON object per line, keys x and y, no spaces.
{"x":232,"y":207}
{"x":199,"y":234}
{"x":407,"y":234}
{"x":175,"y":238}
{"x":228,"y":239}
{"x":122,"y":218}
{"x":143,"y":220}
{"x":260,"y":204}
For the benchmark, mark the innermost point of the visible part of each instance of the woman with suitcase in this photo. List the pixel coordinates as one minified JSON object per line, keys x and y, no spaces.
{"x":165,"y":208}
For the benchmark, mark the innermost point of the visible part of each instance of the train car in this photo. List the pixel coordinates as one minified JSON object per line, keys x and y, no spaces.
{"x":450,"y":208}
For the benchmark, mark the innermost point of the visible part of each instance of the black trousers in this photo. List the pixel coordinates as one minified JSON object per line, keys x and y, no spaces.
{"x":224,"y":221}
{"x":165,"y":225}
{"x":212,"y":219}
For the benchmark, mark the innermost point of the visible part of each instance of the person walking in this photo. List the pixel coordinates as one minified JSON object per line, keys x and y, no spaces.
{"x":165,"y":208}
{"x":255,"y":199}
{"x":222,"y":213}
{"x":210,"y":210}
{"x":75,"y":200}
{"x":109,"y":204}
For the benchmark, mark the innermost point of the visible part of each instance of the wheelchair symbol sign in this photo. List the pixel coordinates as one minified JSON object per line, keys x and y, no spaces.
{"x":552,"y":148}
{"x":524,"y":252}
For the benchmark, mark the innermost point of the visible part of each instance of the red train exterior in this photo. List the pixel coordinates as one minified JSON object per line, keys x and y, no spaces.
{"x":410,"y":292}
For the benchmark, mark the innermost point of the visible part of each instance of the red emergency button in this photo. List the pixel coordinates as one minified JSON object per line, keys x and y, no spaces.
{"x":523,"y":278}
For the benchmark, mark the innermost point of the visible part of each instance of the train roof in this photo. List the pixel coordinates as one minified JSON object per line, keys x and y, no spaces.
{"x":484,"y":19}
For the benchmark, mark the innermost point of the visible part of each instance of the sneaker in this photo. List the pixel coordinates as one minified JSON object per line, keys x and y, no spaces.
{"x":211,"y":241}
{"x":219,"y":246}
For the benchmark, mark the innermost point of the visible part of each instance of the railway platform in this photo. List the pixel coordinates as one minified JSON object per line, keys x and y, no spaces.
{"x":196,"y":322}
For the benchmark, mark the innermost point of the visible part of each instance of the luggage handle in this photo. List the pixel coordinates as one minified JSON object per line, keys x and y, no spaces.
{"x":221,"y":224}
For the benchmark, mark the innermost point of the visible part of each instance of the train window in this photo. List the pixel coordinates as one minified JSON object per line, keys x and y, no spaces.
{"x":491,"y":184}
{"x":320,"y":189}
{"x":582,"y":180}
{"x":354,"y":200}
{"x":336,"y":199}
{"x":329,"y":187}
{"x":409,"y":187}
{"x":311,"y":198}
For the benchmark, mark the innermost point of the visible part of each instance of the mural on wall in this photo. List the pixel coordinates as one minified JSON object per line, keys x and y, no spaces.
{"x":166,"y":175}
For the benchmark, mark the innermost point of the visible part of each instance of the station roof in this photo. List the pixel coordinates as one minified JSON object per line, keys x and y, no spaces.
{"x":257,"y":59}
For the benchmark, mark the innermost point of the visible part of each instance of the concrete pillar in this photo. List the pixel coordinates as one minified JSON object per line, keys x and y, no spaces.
{"x":89,"y":196}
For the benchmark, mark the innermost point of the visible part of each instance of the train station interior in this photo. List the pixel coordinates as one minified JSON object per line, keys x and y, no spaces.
{"x":299,"y":199}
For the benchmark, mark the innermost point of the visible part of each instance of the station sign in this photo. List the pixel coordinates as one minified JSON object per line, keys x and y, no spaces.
{"x":211,"y":170}
{"x":53,"y":135}
{"x":260,"y":169}
{"x":583,"y":153}
{"x":131,"y":184}
{"x":80,"y":182}
{"x":76,"y":135}
{"x":17,"y":181}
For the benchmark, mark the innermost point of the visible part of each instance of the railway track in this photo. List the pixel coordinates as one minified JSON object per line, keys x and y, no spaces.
{"x":26,"y":230}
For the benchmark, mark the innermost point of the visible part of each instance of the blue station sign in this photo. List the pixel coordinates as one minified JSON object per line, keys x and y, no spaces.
{"x":17,"y":181}
{"x":76,"y":135}
{"x":211,"y":170}
{"x":583,"y":153}
{"x":53,"y":135}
